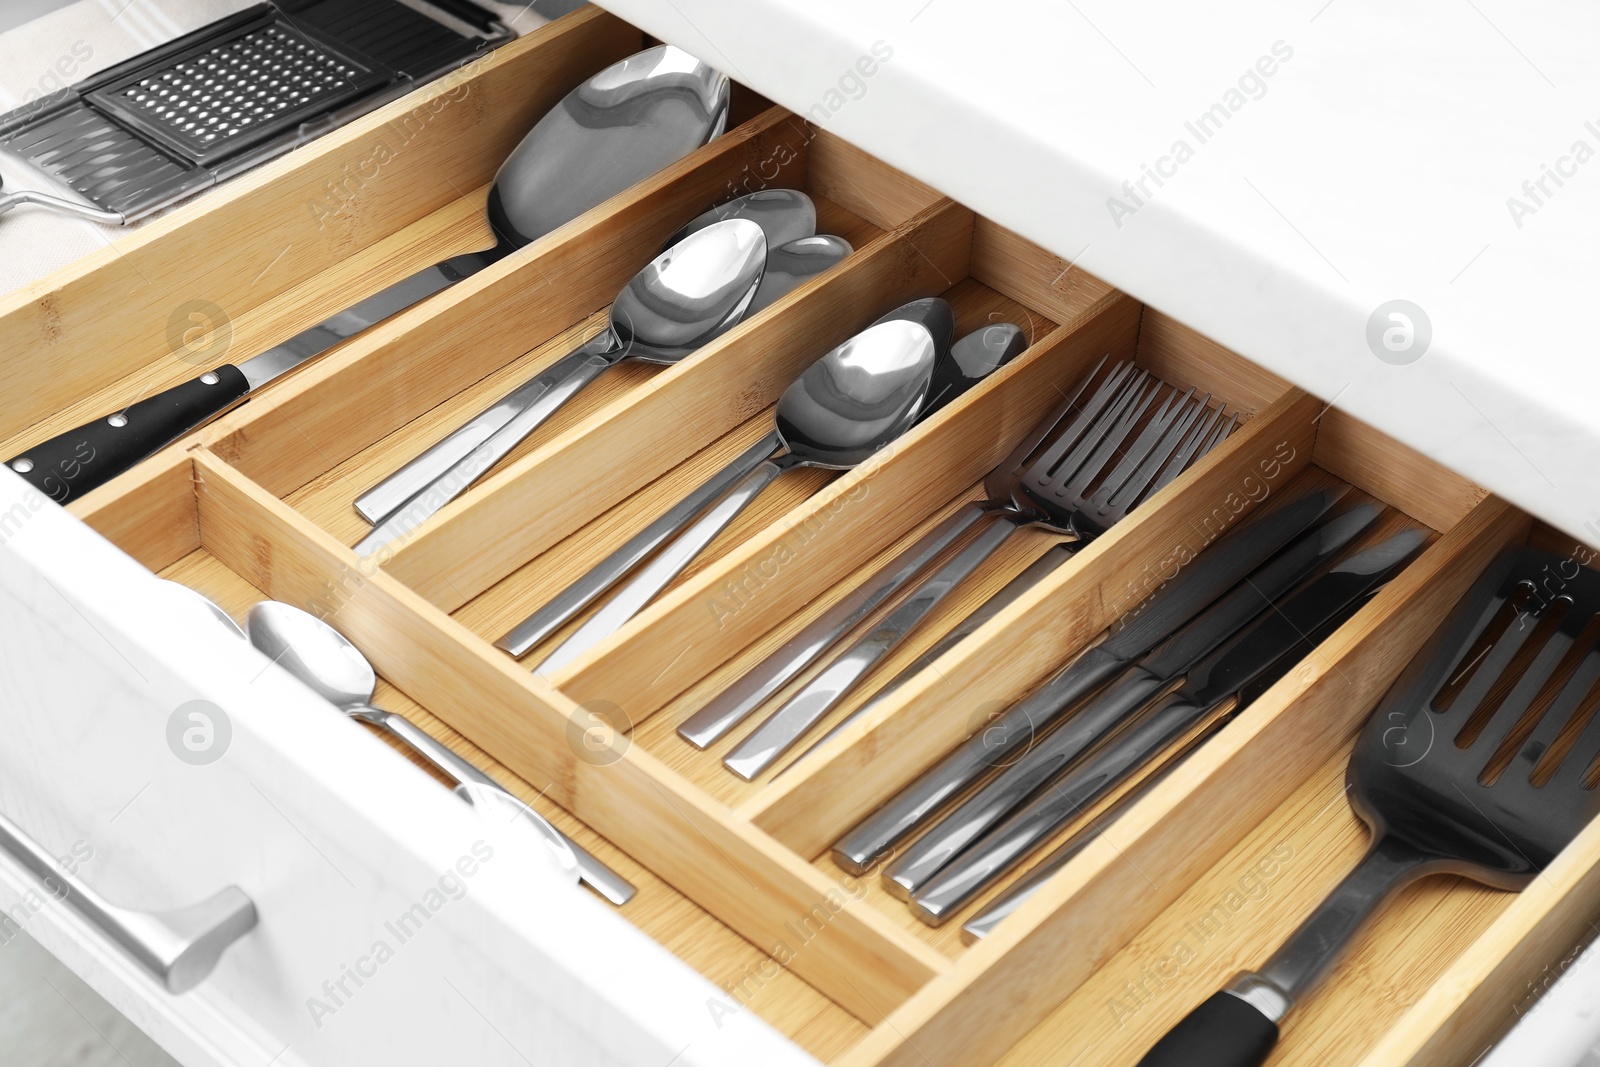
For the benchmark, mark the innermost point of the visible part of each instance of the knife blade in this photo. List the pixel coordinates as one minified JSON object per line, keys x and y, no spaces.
{"x":1125,"y":696}
{"x":1211,"y":573}
{"x":1207,"y":690}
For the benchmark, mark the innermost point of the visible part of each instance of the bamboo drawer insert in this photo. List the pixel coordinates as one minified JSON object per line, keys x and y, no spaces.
{"x":1200,"y":876}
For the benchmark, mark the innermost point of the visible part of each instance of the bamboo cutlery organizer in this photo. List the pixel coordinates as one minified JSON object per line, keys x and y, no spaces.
{"x":1200,"y":877}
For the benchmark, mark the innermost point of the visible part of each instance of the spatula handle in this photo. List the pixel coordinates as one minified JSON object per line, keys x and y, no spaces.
{"x":1224,"y":1031}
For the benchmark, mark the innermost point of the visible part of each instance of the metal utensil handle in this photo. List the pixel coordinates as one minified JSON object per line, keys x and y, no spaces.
{"x":1045,"y":760}
{"x":597,"y":875}
{"x":603,"y":575}
{"x":1035,"y":572}
{"x":668,"y":564}
{"x":389,"y":495}
{"x":178,"y":948}
{"x":468,"y":469}
{"x":983,"y":923}
{"x":806,"y":708}
{"x":730,"y":707}
{"x":875,"y":836}
{"x":57,"y":204}
{"x":1100,"y":771}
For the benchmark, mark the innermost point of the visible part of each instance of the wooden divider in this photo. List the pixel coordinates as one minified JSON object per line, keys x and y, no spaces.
{"x":508,"y":518}
{"x":848,"y":951}
{"x":1117,"y":885}
{"x":684,"y":635}
{"x":338,"y":194}
{"x":812,"y":805}
{"x":389,"y":373}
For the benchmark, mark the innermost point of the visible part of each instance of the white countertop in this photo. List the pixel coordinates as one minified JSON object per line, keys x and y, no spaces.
{"x":1373,"y":163}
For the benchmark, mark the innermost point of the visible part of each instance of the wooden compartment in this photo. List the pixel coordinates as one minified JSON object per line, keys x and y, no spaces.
{"x":735,"y":876}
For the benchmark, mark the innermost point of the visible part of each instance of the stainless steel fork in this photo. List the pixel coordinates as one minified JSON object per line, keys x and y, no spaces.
{"x":1072,"y":482}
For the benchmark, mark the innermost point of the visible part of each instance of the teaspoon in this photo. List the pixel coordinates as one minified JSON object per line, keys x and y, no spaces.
{"x":326,"y":661}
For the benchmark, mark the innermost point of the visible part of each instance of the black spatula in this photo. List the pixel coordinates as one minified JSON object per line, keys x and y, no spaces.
{"x":1481,"y":760}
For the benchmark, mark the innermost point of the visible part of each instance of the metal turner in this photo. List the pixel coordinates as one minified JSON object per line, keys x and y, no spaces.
{"x":1481,"y":760}
{"x":1086,"y":470}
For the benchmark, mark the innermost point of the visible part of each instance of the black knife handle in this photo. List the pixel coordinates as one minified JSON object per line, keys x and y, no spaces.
{"x":1224,"y":1031}
{"x":70,"y":464}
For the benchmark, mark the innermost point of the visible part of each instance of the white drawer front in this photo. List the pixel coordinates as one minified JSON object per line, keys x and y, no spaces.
{"x":393,"y":928}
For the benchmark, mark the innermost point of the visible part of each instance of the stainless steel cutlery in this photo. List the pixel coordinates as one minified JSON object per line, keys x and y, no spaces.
{"x":1212,"y":573}
{"x":685,"y":297}
{"x":708,"y":279}
{"x":618,"y":127}
{"x":1150,"y":722}
{"x":1481,"y":760}
{"x":1073,"y":482}
{"x":855,"y":399}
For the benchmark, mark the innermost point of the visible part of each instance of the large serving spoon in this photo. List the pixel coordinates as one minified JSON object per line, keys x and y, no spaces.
{"x":619,"y":127}
{"x":847,"y":405}
{"x":326,"y":661}
{"x":685,"y":297}
{"x":784,"y":215}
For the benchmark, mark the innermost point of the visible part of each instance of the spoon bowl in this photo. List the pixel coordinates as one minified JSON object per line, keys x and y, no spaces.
{"x":327,"y":662}
{"x":859,"y":397}
{"x":784,"y":215}
{"x":622,"y":125}
{"x":689,"y":294}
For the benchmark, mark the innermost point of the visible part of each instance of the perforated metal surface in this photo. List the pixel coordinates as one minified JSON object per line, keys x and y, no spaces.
{"x":274,"y":73}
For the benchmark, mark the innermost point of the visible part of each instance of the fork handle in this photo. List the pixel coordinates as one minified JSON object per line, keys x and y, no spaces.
{"x":1238,"y":1026}
{"x":806,"y":708}
{"x":668,"y":564}
{"x":750,"y":690}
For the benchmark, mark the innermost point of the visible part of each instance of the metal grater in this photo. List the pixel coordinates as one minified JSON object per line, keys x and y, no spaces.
{"x":182,"y":117}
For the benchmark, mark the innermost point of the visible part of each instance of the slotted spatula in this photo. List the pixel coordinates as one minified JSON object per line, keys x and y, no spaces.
{"x":1481,"y":761}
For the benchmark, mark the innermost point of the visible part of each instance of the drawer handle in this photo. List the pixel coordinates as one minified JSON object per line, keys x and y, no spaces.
{"x":179,"y":948}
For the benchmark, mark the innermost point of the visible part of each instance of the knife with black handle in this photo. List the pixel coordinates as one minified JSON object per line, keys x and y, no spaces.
{"x":72,"y":463}
{"x":1206,"y":577}
{"x":1125,"y":696}
{"x":1212,"y":685}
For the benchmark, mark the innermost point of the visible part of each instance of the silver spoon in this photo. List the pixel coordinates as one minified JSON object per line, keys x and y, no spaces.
{"x":688,"y":295}
{"x":851,"y":402}
{"x":622,"y":125}
{"x":325,"y":660}
{"x":784,"y":215}
{"x":202,"y":604}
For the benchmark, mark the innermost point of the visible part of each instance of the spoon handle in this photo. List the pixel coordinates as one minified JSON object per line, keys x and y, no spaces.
{"x":611,"y":570}
{"x":659,"y":573}
{"x":541,"y":398}
{"x":608,"y":883}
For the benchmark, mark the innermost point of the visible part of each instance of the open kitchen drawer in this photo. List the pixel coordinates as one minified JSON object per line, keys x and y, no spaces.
{"x":1202,"y":876}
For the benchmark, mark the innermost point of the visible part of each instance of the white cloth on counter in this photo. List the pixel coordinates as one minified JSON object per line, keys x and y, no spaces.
{"x":68,"y":45}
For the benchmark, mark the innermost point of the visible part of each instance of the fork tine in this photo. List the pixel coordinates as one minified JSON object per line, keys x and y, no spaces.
{"x":1074,"y":450}
{"x":1073,"y":483}
{"x":1017,"y":461}
{"x":1174,"y":414}
{"x":1180,"y":438}
{"x":1124,"y":380}
{"x":1202,"y":440}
